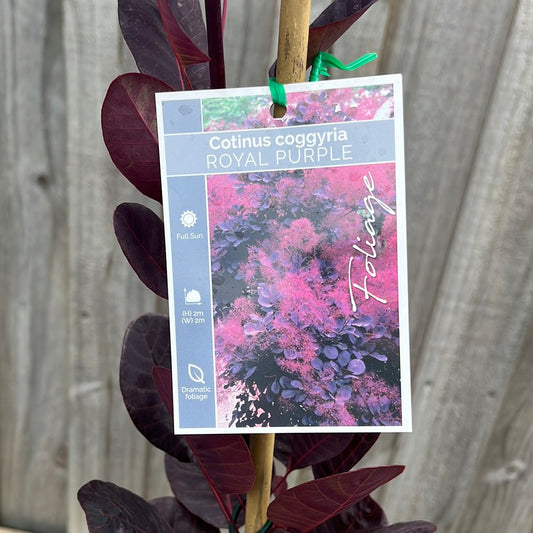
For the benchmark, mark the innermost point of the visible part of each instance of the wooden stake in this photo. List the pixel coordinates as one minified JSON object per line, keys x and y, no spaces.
{"x":291,"y":67}
{"x":257,"y":500}
{"x":292,"y":44}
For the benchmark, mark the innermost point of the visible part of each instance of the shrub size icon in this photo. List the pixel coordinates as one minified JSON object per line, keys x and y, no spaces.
{"x":192,"y":297}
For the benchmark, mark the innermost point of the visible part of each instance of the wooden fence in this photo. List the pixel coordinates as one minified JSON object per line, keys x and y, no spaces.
{"x":67,"y":294}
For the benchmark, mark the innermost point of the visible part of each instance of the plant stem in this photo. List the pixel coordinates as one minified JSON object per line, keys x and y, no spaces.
{"x":215,"y":46}
{"x":292,"y":57}
{"x":262,"y":450}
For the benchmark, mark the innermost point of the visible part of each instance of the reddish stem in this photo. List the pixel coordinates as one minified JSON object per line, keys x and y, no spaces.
{"x":215,"y":46}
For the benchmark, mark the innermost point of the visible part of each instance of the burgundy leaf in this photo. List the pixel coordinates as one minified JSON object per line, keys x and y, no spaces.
{"x":418,"y":526}
{"x":147,"y":344}
{"x":163,"y":383}
{"x":364,"y":516}
{"x":109,"y":507}
{"x":279,"y":485}
{"x":312,"y":503}
{"x":191,"y":20}
{"x":331,"y":24}
{"x":348,"y":458}
{"x":191,"y":488}
{"x":312,"y":448}
{"x":185,"y":50}
{"x":179,"y":518}
{"x":282,"y":447}
{"x":141,"y":235}
{"x":147,"y":40}
{"x":130,"y":131}
{"x":226,"y":462}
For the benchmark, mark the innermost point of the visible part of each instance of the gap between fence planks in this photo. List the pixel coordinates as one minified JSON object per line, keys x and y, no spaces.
{"x":292,"y":57}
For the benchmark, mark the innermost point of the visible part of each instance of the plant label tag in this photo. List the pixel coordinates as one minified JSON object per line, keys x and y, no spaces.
{"x":286,"y":258}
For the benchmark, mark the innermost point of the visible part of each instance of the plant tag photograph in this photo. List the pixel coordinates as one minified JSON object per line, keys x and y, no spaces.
{"x":286,"y":258}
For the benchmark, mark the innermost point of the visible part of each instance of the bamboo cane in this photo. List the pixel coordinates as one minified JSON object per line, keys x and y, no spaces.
{"x":262,"y":450}
{"x":292,"y":44}
{"x":291,"y":67}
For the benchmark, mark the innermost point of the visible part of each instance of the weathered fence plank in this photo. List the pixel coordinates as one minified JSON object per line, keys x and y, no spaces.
{"x":500,"y":497}
{"x":33,"y":268}
{"x":250,"y":41}
{"x":480,"y":319}
{"x":449,"y":54}
{"x":104,"y":294}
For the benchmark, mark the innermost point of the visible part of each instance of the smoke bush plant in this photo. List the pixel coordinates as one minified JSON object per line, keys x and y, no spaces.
{"x":209,"y":475}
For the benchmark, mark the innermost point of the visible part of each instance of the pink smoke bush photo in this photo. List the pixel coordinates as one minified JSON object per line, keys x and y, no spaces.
{"x":305,"y":280}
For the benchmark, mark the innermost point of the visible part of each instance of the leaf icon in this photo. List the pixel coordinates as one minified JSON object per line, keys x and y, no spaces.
{"x":196,"y":373}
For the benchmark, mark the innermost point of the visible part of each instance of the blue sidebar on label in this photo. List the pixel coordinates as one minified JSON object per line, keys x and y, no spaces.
{"x":192,"y":301}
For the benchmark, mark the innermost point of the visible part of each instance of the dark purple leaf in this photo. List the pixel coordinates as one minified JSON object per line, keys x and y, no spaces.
{"x":288,"y":393}
{"x":163,"y":383}
{"x":364,"y":321}
{"x":282,"y":447}
{"x":344,"y":393}
{"x":418,"y":526}
{"x":226,"y":462}
{"x":356,"y":367}
{"x":180,"y":519}
{"x":331,"y":24}
{"x":130,"y":131}
{"x":145,"y":35}
{"x":185,"y":50}
{"x":141,"y":235}
{"x":147,"y":40}
{"x":317,"y":364}
{"x":312,"y":448}
{"x":279,"y":485}
{"x":191,"y":488}
{"x":331,"y":352}
{"x":253,"y":328}
{"x":191,"y":20}
{"x":147,"y":344}
{"x":312,"y":503}
{"x":109,"y":507}
{"x":364,"y":516}
{"x":348,"y":457}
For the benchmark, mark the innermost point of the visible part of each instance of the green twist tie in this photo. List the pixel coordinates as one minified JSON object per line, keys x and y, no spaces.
{"x":323,"y":61}
{"x":278,"y":92}
{"x":235,"y":514}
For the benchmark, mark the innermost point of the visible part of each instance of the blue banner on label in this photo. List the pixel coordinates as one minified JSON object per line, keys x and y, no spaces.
{"x":321,"y":145}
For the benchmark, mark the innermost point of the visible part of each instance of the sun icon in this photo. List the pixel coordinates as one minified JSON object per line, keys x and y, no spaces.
{"x":188,"y":219}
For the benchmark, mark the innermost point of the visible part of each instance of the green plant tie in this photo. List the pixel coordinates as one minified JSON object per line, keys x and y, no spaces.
{"x":235,"y":514}
{"x":323,"y":61}
{"x":278,"y":92}
{"x":266,"y":527}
